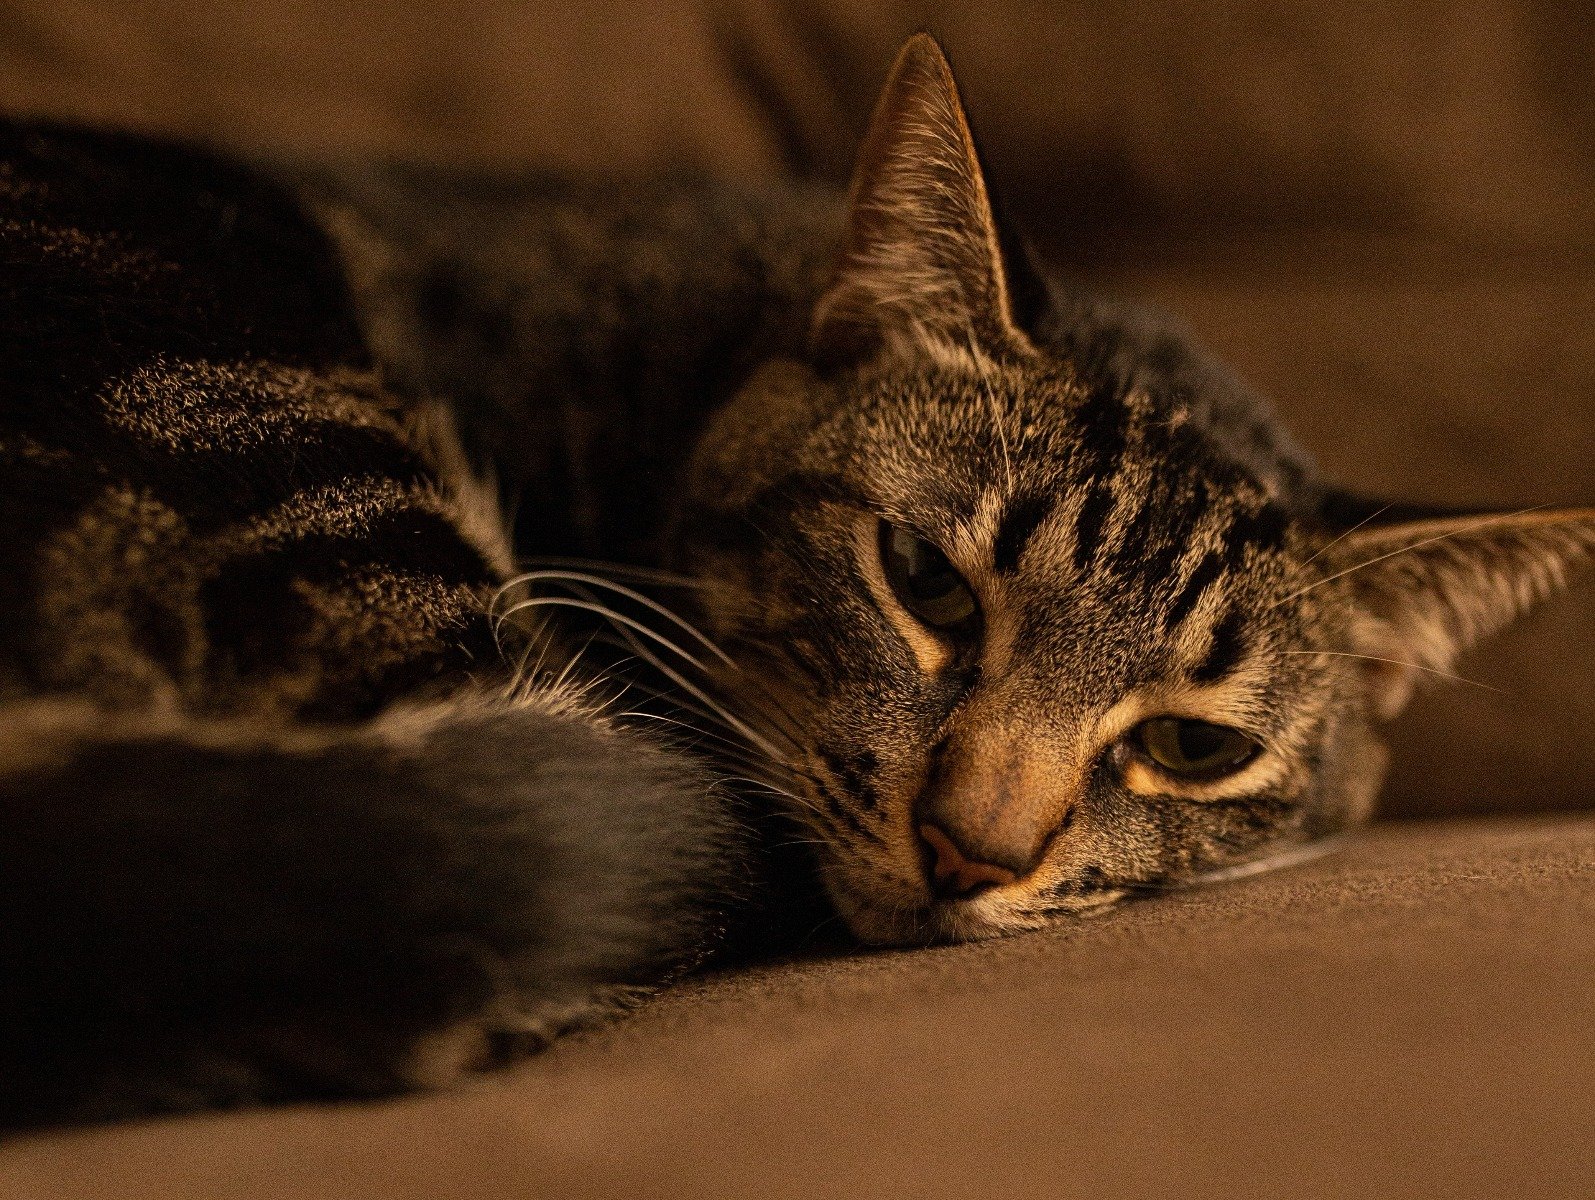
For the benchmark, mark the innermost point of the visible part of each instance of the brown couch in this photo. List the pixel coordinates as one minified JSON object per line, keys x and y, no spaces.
{"x":1385,"y":216}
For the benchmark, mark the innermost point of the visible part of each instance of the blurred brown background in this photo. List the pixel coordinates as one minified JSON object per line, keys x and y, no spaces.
{"x":1382,"y":213}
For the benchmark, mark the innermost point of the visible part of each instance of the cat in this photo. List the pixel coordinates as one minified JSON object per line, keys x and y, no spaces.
{"x":1010,"y":602}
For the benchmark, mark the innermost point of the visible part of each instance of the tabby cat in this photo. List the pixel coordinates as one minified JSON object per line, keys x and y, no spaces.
{"x":1005,"y":602}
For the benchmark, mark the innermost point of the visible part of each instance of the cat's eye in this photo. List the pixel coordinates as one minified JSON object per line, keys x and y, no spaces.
{"x":1194,"y":749}
{"x":926,"y":584}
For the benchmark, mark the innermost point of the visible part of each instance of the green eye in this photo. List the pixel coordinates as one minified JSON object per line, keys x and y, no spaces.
{"x":925,"y":582}
{"x":1195,"y":749}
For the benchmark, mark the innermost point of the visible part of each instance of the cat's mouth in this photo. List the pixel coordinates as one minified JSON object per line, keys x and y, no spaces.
{"x":901,"y":920}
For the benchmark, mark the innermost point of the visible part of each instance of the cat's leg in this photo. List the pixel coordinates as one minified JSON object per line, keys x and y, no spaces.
{"x":208,"y":914}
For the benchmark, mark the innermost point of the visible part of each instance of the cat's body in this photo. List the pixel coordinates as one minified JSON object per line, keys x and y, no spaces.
{"x":1012,"y":600}
{"x":225,"y":549}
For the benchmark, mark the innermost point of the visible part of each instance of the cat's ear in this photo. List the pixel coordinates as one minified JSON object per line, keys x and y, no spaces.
{"x":921,"y":269}
{"x":1425,"y":589}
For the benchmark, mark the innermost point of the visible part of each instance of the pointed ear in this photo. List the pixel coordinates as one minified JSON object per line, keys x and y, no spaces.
{"x":1425,"y":590}
{"x":922,"y":265}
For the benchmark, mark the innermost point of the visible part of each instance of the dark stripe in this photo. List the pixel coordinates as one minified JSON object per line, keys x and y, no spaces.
{"x":1227,"y":649}
{"x":1264,"y":528}
{"x":842,"y":814}
{"x":1206,"y":574}
{"x":1159,"y":533}
{"x":215,"y":486}
{"x":854,"y":771}
{"x":1024,"y":515}
{"x":1100,"y":421}
{"x":1091,"y":879}
{"x":242,"y":595}
{"x":1088,"y":528}
{"x":1148,"y":545}
{"x":1152,"y":566}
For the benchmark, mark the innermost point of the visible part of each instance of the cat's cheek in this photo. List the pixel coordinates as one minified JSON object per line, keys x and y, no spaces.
{"x":878,"y":906}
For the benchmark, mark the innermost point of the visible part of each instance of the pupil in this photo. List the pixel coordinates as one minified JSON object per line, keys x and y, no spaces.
{"x":930,"y":575}
{"x":1200,"y":741}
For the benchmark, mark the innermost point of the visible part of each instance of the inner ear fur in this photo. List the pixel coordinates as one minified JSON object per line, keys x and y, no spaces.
{"x":921,"y":268}
{"x":1426,"y":588}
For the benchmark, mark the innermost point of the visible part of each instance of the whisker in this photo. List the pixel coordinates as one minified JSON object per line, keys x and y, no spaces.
{"x":1328,"y":546}
{"x":695,"y":730}
{"x":1396,"y":662}
{"x":1289,"y":856}
{"x":697,"y":710}
{"x":620,"y":570}
{"x":725,"y":751}
{"x":591,"y":604}
{"x":801,"y":801}
{"x":783,"y":727}
{"x":808,"y":937}
{"x":708,"y":708}
{"x":996,"y":413}
{"x":520,"y":675}
{"x":652,"y":605}
{"x":799,"y":842}
{"x":770,"y":651}
{"x":782,"y":720}
{"x":621,"y":619}
{"x":1483,"y":523}
{"x":570,"y":666}
{"x":756,"y":702}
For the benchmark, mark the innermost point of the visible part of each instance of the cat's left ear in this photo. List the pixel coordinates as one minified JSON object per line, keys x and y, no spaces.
{"x":1425,"y":590}
{"x":922,"y":268}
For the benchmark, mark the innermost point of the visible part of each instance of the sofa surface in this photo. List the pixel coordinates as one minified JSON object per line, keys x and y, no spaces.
{"x":1407,"y":1018}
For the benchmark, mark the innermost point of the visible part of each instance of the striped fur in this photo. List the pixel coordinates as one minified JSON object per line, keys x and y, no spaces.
{"x":274,"y":824}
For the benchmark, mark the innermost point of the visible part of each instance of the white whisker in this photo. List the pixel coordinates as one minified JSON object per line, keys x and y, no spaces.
{"x":1396,"y":662}
{"x":652,"y":605}
{"x":1328,"y":546}
{"x":1483,"y":523}
{"x":998,"y":422}
{"x":621,"y":619}
{"x":621,"y":570}
{"x":676,"y":701}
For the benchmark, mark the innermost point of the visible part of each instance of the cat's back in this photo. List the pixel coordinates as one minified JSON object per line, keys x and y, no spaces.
{"x":584,"y":327}
{"x":204,"y":495}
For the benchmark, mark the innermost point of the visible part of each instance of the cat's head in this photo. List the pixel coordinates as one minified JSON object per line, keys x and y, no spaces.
{"x":1039,"y":609}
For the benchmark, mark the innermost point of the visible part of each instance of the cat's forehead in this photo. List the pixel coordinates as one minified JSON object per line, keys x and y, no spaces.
{"x":1106,"y":523}
{"x":1010,"y":449}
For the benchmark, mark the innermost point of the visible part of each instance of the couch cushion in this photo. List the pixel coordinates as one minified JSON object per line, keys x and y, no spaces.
{"x":1469,"y":120}
{"x":1407,"y":1018}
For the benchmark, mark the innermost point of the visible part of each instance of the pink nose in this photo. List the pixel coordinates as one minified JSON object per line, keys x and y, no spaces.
{"x":953,"y":874}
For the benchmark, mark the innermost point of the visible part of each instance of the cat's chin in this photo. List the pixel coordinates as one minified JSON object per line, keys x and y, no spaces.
{"x":922,"y":924}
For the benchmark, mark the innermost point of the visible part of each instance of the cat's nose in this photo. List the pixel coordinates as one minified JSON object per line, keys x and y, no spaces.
{"x":954,"y":873}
